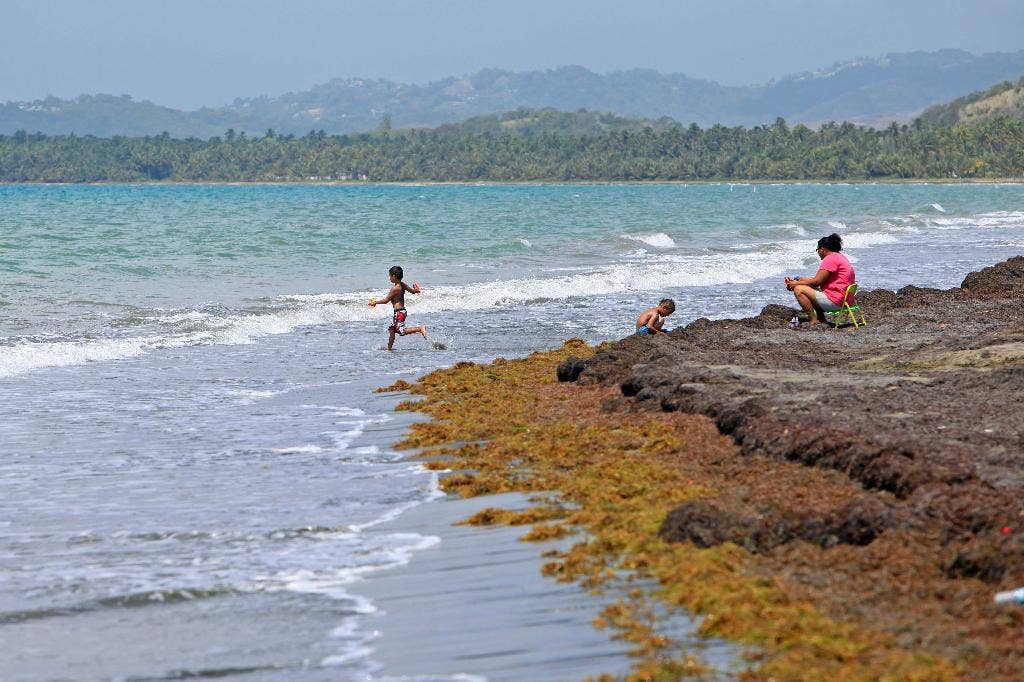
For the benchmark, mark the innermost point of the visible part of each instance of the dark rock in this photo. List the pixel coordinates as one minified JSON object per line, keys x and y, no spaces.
{"x":876,"y":297}
{"x":1000,"y":280}
{"x":570,"y":368}
{"x":780,"y":313}
{"x":862,"y":520}
{"x":989,"y":559}
{"x":918,"y":297}
{"x":857,"y":522}
{"x":924,"y":403}
{"x":703,"y":524}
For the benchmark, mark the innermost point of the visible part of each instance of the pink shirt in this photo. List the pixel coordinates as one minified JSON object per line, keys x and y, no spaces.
{"x":840,"y":276}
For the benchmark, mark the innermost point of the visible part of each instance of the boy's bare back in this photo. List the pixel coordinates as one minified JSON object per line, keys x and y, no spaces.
{"x":650,"y":318}
{"x":397,"y":295}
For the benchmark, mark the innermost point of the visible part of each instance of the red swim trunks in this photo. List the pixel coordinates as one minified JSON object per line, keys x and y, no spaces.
{"x":398,"y":321}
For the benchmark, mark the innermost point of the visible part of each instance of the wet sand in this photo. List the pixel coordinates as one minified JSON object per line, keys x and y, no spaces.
{"x":477,"y":604}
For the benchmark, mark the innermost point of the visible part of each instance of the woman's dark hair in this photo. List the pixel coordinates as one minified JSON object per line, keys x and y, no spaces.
{"x":833,"y":242}
{"x":396,"y":271}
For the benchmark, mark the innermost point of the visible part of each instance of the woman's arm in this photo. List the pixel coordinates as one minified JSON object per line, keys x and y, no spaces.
{"x":817,"y":280}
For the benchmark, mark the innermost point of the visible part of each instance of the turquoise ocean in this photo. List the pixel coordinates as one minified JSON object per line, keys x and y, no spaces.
{"x":195,"y":476}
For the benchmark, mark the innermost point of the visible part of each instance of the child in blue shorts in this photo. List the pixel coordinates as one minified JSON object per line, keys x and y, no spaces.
{"x":652,"y":320}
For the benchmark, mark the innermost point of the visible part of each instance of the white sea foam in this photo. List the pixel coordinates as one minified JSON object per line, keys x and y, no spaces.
{"x":343,"y":439}
{"x":354,"y":654}
{"x":230,"y":329}
{"x":348,"y":628}
{"x":383,"y":551}
{"x":393,"y":550}
{"x":524,"y":241}
{"x":456,"y":677}
{"x":938,"y":208}
{"x":434,"y":492}
{"x":650,"y":274}
{"x":27,"y":356}
{"x":248,"y":397}
{"x":638,"y":273}
{"x":348,"y":411}
{"x":186,"y":316}
{"x":299,"y":450}
{"x":991,"y":219}
{"x":658,"y":240}
{"x":791,"y":228}
{"x":860,"y":240}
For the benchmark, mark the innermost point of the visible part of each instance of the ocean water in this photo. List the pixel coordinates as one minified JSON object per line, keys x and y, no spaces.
{"x":194,"y":472}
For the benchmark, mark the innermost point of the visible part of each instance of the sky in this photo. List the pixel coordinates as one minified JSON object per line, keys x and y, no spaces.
{"x":191,"y":53}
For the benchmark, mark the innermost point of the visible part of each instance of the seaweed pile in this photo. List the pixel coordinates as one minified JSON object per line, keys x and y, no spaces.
{"x":922,"y":409}
{"x":844,"y":503}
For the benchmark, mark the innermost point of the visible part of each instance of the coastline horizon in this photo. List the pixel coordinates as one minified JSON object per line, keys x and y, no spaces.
{"x":1013,"y":180}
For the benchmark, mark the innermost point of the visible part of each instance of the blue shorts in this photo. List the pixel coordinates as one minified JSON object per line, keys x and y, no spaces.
{"x":644,"y":330}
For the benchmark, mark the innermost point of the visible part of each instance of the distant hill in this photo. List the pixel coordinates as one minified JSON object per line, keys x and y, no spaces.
{"x":1004,"y":98}
{"x":895,"y":87}
{"x":103,"y":116}
{"x":536,"y":121}
{"x":864,"y":91}
{"x":356,"y":104}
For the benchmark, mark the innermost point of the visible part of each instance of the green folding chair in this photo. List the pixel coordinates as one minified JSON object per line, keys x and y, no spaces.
{"x":848,"y":310}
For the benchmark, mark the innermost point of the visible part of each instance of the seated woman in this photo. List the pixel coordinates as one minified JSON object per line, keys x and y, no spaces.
{"x":824,"y":291}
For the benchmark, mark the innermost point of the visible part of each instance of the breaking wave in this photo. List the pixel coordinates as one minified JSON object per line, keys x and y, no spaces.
{"x":658,"y":240}
{"x":638,"y":272}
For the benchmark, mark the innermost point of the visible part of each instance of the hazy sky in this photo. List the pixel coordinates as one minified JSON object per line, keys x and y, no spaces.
{"x":187,"y":53}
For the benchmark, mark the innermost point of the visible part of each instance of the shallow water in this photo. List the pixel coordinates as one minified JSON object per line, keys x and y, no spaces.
{"x":194,"y":472}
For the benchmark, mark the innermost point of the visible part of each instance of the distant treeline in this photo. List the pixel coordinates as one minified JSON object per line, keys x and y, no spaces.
{"x":992,"y":148}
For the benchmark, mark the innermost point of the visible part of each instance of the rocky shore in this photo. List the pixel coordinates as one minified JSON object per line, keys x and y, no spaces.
{"x":922,"y":412}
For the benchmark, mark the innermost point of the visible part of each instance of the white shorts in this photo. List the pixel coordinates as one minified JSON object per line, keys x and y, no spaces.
{"x":825,"y":303}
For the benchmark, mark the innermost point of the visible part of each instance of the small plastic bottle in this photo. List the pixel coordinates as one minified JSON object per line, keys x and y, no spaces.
{"x":1010,"y":596}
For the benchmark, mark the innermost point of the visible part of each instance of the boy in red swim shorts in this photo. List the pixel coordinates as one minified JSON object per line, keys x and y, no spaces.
{"x":396,"y":297}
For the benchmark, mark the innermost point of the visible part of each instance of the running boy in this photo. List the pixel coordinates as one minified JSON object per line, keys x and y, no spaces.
{"x":396,"y":297}
{"x":652,"y":320}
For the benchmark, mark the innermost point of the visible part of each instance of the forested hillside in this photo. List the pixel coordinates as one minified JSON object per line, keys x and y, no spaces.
{"x":1003,"y":99}
{"x":992,"y":148}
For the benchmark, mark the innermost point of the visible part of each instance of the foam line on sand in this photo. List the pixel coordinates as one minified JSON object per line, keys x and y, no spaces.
{"x":477,"y":604}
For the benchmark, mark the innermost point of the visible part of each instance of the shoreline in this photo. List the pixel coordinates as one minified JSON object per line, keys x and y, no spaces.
{"x":524,"y":183}
{"x":477,"y":604}
{"x":864,"y":548}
